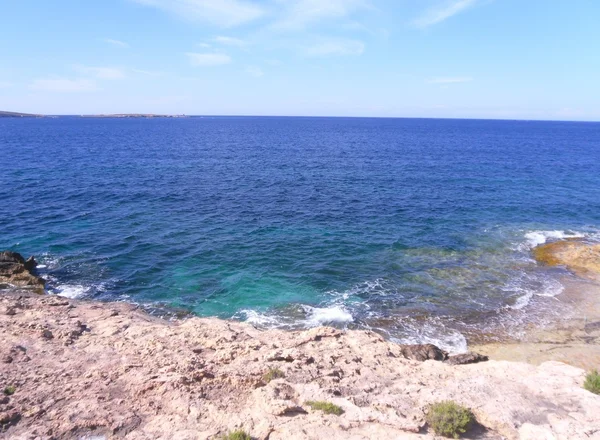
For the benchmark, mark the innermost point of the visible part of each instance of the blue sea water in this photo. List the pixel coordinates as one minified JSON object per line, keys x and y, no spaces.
{"x":419,"y":228}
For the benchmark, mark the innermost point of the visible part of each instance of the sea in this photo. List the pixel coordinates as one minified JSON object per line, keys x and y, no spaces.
{"x":419,"y":229}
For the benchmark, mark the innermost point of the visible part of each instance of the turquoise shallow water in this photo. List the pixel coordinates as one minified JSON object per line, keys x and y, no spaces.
{"x":419,"y":228}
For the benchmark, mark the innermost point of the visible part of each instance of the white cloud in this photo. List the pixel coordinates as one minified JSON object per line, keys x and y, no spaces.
{"x":335,"y":47}
{"x":299,"y":14}
{"x":63,"y":85}
{"x":208,"y":59}
{"x":147,"y":72}
{"x":442,"y":12}
{"x":116,"y":42}
{"x":254,"y":71}
{"x":5,"y":84}
{"x":230,"y":41}
{"x":204,"y":45}
{"x":450,"y":80}
{"x":224,"y":13}
{"x":100,"y":72}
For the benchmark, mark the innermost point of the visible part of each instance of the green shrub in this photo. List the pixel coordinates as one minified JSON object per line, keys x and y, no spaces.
{"x":10,"y":390}
{"x":326,"y":407}
{"x":592,"y":382}
{"x":272,"y":374}
{"x":237,"y":435}
{"x":449,"y":419}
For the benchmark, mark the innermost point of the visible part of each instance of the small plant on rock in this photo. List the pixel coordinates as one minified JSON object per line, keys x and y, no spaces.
{"x":449,"y":419}
{"x":10,"y":390}
{"x":592,"y":382}
{"x":272,"y":374}
{"x":237,"y":435}
{"x":326,"y":407}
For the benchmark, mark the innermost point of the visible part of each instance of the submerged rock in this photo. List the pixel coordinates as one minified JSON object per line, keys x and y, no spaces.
{"x":15,"y":271}
{"x":578,"y":256}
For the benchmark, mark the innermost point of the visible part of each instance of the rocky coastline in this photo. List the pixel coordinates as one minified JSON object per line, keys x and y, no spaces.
{"x":74,"y":369}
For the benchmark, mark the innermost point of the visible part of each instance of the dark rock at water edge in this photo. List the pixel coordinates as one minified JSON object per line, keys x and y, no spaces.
{"x":423,"y":352}
{"x":426,"y":352}
{"x":16,"y":271}
{"x":466,"y":358}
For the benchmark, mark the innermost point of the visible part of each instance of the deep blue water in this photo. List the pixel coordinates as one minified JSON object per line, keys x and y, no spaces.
{"x":421,"y":228}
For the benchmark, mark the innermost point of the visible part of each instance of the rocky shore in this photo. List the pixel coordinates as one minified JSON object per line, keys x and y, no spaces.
{"x":87,"y":370}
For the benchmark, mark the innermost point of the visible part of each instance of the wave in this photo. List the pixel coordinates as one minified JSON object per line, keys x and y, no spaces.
{"x":536,"y":238}
{"x":312,"y":317}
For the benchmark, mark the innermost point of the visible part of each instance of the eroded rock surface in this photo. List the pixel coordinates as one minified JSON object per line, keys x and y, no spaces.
{"x":578,"y":256}
{"x":16,"y":271}
{"x":111,"y":371}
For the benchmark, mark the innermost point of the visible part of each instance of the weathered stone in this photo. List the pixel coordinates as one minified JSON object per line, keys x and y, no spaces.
{"x":30,"y":264}
{"x":15,"y":271}
{"x":132,"y":376}
{"x":578,"y":256}
{"x":466,"y":358}
{"x":423,"y":352}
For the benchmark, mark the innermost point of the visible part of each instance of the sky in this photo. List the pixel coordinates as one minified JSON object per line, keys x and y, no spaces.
{"x":499,"y":59}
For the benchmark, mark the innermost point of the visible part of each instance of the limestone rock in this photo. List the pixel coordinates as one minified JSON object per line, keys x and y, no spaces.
{"x":130,"y":376}
{"x":423,"y":352}
{"x":578,"y":256}
{"x":15,"y":271}
{"x":466,"y":358}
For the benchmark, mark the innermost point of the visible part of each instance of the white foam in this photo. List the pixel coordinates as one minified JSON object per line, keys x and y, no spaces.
{"x":434,"y":333}
{"x":535,"y":238}
{"x":71,"y":291}
{"x":314,"y":317}
{"x":260,"y":319}
{"x":320,"y":316}
{"x":549,"y":288}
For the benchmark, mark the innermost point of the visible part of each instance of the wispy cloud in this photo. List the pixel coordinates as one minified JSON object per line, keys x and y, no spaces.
{"x":5,"y":84}
{"x":116,"y":42}
{"x":254,"y":71}
{"x":208,"y":59}
{"x":450,"y":80}
{"x":109,"y":73}
{"x":230,"y":41}
{"x":147,"y":72}
{"x":63,"y":85}
{"x":299,"y":14}
{"x":442,"y":12}
{"x":335,"y":47}
{"x":223,"y":13}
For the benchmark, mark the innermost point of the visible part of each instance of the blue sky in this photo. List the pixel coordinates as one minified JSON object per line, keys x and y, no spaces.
{"x":521,"y":59}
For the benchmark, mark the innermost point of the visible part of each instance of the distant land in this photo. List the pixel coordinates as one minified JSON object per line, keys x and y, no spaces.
{"x":133,"y":115}
{"x":17,"y":115}
{"x":4,"y":114}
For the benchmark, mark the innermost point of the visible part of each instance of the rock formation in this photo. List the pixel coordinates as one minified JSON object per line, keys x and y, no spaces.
{"x":18,"y":272}
{"x":578,"y":256}
{"x":79,"y":370}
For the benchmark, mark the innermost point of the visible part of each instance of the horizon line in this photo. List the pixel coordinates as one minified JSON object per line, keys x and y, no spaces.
{"x":134,"y":115}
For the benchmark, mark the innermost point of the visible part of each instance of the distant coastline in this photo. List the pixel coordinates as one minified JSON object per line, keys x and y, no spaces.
{"x":18,"y":115}
{"x":5,"y":114}
{"x":133,"y":115}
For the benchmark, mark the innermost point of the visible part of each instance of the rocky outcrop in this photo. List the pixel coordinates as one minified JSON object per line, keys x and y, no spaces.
{"x":423,"y":352}
{"x":466,"y":358}
{"x":75,"y":369}
{"x":18,"y":272}
{"x":578,"y":256}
